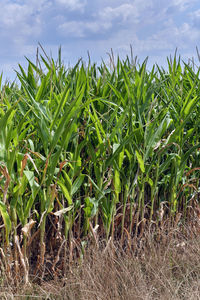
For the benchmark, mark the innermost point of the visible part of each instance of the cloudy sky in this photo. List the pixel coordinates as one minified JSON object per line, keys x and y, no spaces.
{"x":154,"y":28}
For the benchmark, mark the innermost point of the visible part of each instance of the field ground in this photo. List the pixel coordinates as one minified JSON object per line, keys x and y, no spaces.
{"x":166,"y":269}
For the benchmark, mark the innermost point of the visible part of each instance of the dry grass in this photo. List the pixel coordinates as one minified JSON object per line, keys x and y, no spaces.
{"x":168,"y":269}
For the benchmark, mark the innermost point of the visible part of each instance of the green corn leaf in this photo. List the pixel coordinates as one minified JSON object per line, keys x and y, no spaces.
{"x":33,"y":184}
{"x":6,"y":220}
{"x":140,"y":161}
{"x":42,"y":87}
{"x":64,"y":98}
{"x":189,"y":105}
{"x":68,"y":181}
{"x":70,"y":112}
{"x":77,"y":183}
{"x":65,"y":192}
{"x":117,"y":182}
{"x":35,"y":187}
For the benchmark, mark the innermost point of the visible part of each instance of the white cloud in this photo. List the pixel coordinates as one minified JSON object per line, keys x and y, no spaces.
{"x":123,"y":11}
{"x":21,"y":19}
{"x":73,"y":4}
{"x":12,"y":14}
{"x":195,"y":17}
{"x":81,"y":29}
{"x":188,"y":33}
{"x":196,"y":13}
{"x":72,"y":29}
{"x":158,"y":45}
{"x":183,"y":4}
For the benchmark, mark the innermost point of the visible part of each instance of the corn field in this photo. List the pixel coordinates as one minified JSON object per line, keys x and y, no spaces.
{"x":94,"y":153}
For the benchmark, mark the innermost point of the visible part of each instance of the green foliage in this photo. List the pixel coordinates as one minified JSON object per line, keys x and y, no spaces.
{"x":98,"y":144}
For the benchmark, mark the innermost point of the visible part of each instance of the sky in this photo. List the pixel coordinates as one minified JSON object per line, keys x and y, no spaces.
{"x":154,"y":28}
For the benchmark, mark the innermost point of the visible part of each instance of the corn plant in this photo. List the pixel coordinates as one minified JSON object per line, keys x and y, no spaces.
{"x":94,"y":152}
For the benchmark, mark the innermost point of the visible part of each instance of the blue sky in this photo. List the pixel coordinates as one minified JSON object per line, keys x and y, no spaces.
{"x":154,"y":28}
